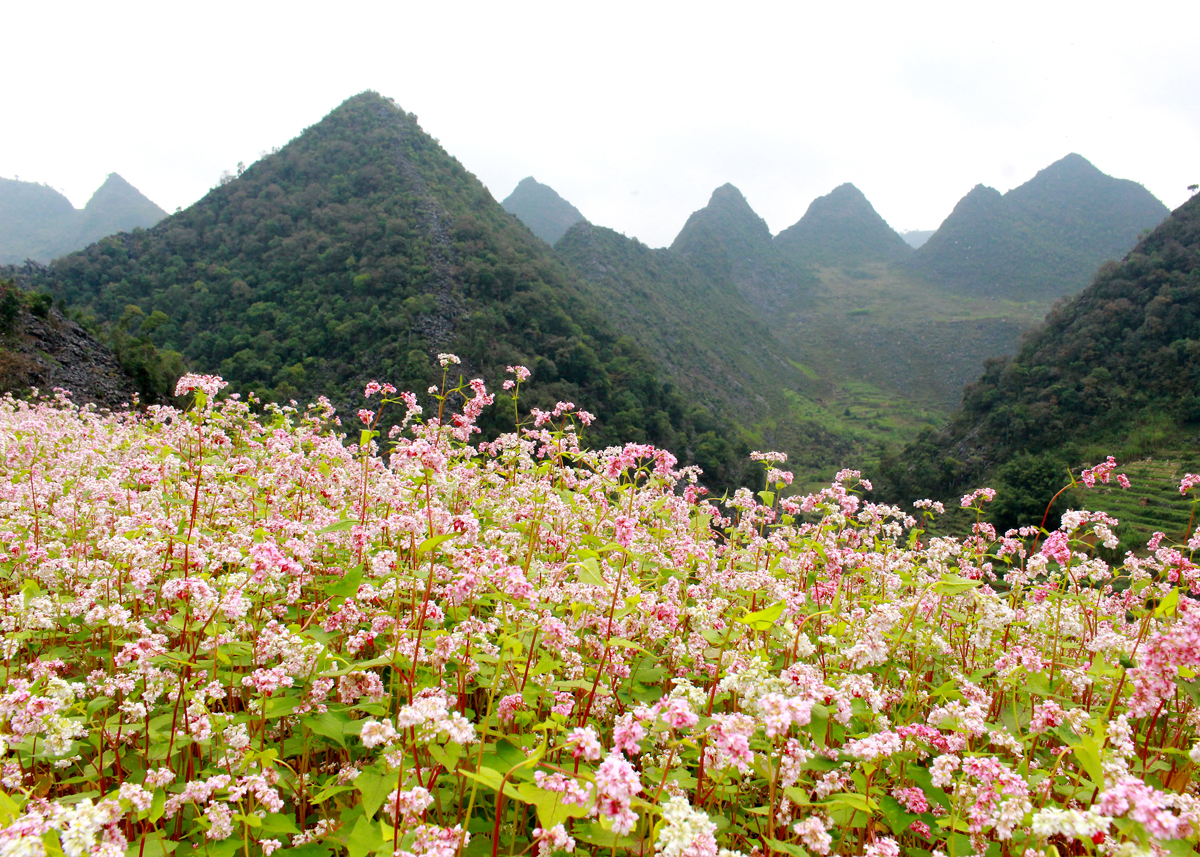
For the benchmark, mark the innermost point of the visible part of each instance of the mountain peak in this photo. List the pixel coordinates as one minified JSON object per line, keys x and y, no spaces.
{"x":842,"y":227}
{"x":539,"y":207}
{"x":729,"y":219}
{"x":1041,"y":240}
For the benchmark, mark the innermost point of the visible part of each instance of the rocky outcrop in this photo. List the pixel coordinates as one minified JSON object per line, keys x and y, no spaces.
{"x":51,"y":351}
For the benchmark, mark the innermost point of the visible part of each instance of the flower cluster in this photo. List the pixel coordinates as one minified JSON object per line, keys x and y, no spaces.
{"x":227,"y":630}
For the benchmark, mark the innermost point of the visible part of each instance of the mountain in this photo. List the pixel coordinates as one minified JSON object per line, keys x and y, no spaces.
{"x":842,"y":228}
{"x":1042,"y":240}
{"x":914,"y":238}
{"x":1114,"y":370}
{"x":539,"y":207}
{"x":710,"y":341}
{"x":39,"y":223}
{"x":33,"y":219}
{"x":116,"y":206}
{"x":361,"y":250}
{"x":730,"y":243}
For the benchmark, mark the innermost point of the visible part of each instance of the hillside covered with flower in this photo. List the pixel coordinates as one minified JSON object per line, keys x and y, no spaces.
{"x":232,"y":633}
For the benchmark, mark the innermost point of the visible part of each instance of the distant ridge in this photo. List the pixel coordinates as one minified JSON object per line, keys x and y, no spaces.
{"x":841,"y":228}
{"x":914,"y":238}
{"x":1121,"y":355}
{"x":37,"y":222}
{"x":116,"y":206}
{"x":1042,"y":240}
{"x":539,"y":207}
{"x":730,"y":242}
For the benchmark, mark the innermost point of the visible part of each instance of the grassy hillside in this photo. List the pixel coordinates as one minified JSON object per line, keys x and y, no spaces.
{"x":1114,"y":370}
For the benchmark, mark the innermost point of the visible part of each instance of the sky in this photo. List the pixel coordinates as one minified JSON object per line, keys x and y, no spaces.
{"x":633,"y":111}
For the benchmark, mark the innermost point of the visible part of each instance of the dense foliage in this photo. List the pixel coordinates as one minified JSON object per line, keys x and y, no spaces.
{"x":1123,"y":354}
{"x":363,"y":248}
{"x":228,"y":635}
{"x":1042,"y":240}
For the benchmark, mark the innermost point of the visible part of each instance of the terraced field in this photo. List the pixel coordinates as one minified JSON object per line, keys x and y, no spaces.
{"x":1153,"y":502}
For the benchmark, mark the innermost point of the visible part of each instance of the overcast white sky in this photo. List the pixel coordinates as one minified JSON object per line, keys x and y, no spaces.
{"x":633,"y":111}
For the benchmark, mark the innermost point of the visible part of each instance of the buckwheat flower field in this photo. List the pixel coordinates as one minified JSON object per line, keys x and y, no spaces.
{"x":229,"y":632}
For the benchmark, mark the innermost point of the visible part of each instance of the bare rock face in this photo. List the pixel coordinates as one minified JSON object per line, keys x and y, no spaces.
{"x":51,"y":351}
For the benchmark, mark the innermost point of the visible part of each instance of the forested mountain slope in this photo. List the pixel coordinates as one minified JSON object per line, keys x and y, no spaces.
{"x":358,"y":251}
{"x":1042,"y":240}
{"x":1115,"y":370}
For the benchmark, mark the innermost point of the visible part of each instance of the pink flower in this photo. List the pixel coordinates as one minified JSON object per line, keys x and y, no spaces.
{"x":616,"y":783}
{"x":1189,"y":481}
{"x":1056,"y":547}
{"x":979,"y":494}
{"x":624,"y":527}
{"x":509,"y":706}
{"x":587,"y":744}
{"x":814,"y":834}
{"x":210,"y":385}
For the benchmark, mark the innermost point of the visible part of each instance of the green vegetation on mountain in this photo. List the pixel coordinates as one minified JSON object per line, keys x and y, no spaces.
{"x":1039,"y":241}
{"x":37,"y":222}
{"x":1115,"y":370}
{"x":359,"y":251}
{"x":842,"y":228}
{"x":539,"y":207}
{"x":704,"y":334}
{"x":728,"y":242}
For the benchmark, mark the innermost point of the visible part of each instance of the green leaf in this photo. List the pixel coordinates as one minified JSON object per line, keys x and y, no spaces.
{"x":923,"y":779}
{"x":308,"y":849}
{"x":853,"y":800}
{"x":509,"y":754}
{"x":897,"y":817}
{"x":279,"y":706}
{"x":549,"y":805}
{"x":364,"y":838}
{"x":157,"y":806}
{"x":954,"y":584}
{"x":347,"y":586}
{"x":490,"y":777}
{"x":761,"y":620}
{"x":447,"y":756}
{"x":277,"y":822}
{"x":1176,"y":847}
{"x":589,"y":572}
{"x":339,"y":527}
{"x":374,"y":788}
{"x":1088,"y":753}
{"x":1168,"y":605}
{"x":327,"y":726}
{"x":151,"y":845}
{"x":785,"y":847}
{"x":433,"y":541}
